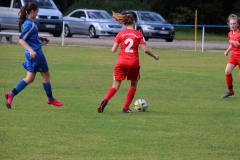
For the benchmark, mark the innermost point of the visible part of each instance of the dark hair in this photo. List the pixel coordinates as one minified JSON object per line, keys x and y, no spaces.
{"x":126,"y":19}
{"x":26,"y":9}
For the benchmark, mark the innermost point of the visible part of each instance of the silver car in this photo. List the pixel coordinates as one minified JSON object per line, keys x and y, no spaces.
{"x":91,"y":22}
{"x":49,"y":18}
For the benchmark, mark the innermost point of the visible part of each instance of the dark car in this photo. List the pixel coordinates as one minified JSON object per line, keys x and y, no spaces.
{"x":152,"y":25}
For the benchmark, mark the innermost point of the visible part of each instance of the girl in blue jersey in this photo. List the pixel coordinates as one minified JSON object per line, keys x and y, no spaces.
{"x":35,"y":59}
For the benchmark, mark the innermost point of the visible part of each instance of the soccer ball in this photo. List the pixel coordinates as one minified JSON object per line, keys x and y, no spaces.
{"x":140,"y":105}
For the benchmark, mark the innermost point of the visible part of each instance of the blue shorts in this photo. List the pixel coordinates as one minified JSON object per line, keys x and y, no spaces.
{"x":37,"y":64}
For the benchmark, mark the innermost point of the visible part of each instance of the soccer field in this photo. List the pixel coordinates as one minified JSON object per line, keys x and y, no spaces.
{"x":186,"y":117}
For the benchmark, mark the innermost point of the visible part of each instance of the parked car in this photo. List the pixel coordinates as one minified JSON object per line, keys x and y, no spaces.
{"x":152,"y":25}
{"x":49,"y":18}
{"x":91,"y":22}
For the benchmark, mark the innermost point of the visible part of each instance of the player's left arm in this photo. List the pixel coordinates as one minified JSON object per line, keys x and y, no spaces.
{"x":33,"y":54}
{"x":236,"y":43}
{"x":147,"y":51}
{"x":44,"y":40}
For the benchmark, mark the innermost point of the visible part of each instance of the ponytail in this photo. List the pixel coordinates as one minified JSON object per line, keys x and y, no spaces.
{"x":25,"y":10}
{"x":127,"y":19}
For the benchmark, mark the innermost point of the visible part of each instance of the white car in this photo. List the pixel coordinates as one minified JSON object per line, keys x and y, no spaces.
{"x":90,"y":22}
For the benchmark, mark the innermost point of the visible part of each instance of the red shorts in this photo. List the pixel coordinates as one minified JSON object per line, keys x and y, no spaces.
{"x":121,"y":72}
{"x":235,"y":59}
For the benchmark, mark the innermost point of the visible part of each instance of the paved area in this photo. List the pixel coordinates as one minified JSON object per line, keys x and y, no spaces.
{"x":156,"y":43}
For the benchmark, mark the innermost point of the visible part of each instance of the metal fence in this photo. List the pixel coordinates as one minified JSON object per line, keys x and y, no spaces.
{"x":175,"y":25}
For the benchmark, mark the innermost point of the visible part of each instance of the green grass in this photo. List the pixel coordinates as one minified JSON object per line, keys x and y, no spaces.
{"x":189,"y":34}
{"x":186,"y":118}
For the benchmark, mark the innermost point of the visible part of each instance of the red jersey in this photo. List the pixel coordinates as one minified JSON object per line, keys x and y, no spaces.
{"x":129,"y":39}
{"x":233,"y":38}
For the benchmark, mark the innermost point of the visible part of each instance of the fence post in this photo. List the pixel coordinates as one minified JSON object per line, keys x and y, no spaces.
{"x":195,"y":30}
{"x":203,"y":30}
{"x":63,"y":34}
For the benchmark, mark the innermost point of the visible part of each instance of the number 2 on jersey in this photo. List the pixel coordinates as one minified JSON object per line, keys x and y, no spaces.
{"x":128,"y":49}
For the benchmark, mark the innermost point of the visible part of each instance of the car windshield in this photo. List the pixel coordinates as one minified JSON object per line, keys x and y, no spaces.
{"x":149,"y":16}
{"x":46,"y":4}
{"x":98,"y":15}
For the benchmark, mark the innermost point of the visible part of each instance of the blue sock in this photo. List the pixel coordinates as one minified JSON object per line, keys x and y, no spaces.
{"x":19,"y":87}
{"x":48,"y":89}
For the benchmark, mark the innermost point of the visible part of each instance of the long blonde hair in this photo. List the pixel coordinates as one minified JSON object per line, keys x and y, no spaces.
{"x":234,"y":16}
{"x":126,"y":19}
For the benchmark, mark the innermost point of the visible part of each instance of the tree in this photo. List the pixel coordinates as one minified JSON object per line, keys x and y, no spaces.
{"x":210,"y":12}
{"x":63,"y":4}
{"x":108,"y":5}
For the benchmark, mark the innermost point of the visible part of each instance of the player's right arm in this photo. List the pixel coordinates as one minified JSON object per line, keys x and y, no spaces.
{"x":33,"y":54}
{"x":114,"y":47}
{"x":228,"y":50}
{"x":147,"y":51}
{"x":25,"y":32}
{"x":117,"y":41}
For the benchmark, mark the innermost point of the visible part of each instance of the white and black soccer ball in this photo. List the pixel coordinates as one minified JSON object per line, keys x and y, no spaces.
{"x":140,"y":105}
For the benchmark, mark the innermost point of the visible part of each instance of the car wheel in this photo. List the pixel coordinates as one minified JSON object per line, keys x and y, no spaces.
{"x":67,"y":32}
{"x":56,"y":34}
{"x":140,"y":30}
{"x":169,"y":39}
{"x":92,"y":32}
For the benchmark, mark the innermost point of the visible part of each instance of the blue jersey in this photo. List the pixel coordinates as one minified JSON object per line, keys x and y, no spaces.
{"x":30,"y":34}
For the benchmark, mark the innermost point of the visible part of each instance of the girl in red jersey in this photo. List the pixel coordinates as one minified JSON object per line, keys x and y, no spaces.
{"x":234,"y":60}
{"x":127,"y":64}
